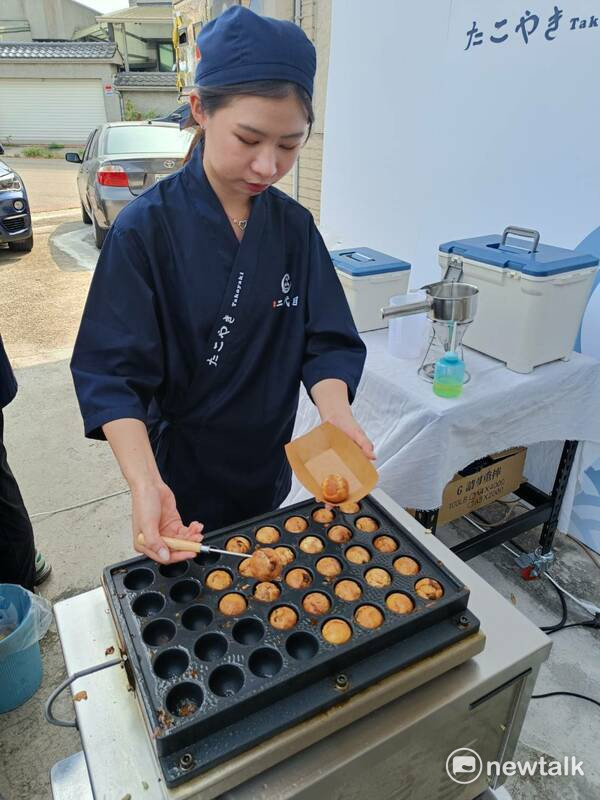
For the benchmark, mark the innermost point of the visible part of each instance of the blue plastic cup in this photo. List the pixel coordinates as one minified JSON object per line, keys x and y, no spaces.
{"x":20,"y":660}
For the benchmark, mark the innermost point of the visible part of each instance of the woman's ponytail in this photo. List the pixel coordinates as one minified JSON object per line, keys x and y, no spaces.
{"x":196,"y":140}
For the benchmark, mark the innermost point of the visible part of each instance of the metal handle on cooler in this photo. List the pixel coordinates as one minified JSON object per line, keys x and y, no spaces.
{"x":525,"y":233}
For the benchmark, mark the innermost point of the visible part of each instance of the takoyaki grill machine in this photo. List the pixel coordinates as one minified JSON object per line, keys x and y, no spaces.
{"x":220,"y":699}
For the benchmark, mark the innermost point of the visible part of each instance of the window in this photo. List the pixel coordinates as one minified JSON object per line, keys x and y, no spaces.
{"x":144,"y":139}
{"x":165,"y":56}
{"x":88,"y":144}
{"x":94,"y":146}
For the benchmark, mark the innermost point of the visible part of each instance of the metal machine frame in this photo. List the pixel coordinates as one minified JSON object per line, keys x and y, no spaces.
{"x":545,"y":511}
{"x":391,"y":740}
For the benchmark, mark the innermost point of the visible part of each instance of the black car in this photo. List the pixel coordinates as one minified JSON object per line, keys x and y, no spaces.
{"x":177,"y":115}
{"x":15,"y":219}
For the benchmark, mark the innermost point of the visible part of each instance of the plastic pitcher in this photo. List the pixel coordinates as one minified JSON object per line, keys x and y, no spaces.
{"x":407,"y":335}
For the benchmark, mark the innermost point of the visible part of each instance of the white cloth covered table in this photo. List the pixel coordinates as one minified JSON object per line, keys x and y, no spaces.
{"x":422,"y":440}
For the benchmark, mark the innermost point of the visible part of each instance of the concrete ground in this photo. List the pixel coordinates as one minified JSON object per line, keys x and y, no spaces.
{"x":41,"y":297}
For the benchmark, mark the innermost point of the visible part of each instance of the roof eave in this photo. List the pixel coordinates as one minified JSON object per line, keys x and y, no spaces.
{"x":112,"y":18}
{"x":146,"y":88}
{"x":63,"y":60}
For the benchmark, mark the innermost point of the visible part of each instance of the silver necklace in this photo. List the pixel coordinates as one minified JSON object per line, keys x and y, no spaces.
{"x":241,"y":223}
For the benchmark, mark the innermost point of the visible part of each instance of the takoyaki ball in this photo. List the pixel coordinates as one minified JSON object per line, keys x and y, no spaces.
{"x":399,"y":603}
{"x":316,"y":603}
{"x":339,"y":534}
{"x":377,"y":577}
{"x":245,"y":568}
{"x":368,"y":616}
{"x":218,"y":579}
{"x":366,"y":524}
{"x":348,"y":590}
{"x":266,"y":591}
{"x":285,"y":554}
{"x":311,"y":544}
{"x":267,"y":535}
{"x":349,"y":507}
{"x":329,"y":567}
{"x":335,"y":489}
{"x":238,"y":544}
{"x":232,"y":605}
{"x":336,"y":631}
{"x":358,"y":555}
{"x":283,"y":618}
{"x":323,"y":515}
{"x":385,"y":544}
{"x":406,"y":565}
{"x":429,"y":588}
{"x":298,"y":578}
{"x":265,"y":564}
{"x":295,"y":524}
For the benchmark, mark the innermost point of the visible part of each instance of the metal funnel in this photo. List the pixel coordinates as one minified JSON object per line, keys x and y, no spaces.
{"x":444,"y":302}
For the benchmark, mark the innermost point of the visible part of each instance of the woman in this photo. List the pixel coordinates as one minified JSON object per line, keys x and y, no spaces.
{"x":20,"y":562}
{"x":213,"y":298}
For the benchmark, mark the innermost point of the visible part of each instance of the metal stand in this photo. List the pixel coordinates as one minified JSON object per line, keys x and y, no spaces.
{"x":545,"y":511}
{"x":427,"y":368}
{"x":428,"y":519}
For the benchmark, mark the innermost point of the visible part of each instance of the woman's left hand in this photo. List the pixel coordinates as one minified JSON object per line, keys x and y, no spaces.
{"x":344,"y":420}
{"x":330,"y":395}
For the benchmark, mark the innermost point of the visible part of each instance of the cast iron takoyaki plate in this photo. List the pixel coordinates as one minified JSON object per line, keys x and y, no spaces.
{"x":212,"y":686}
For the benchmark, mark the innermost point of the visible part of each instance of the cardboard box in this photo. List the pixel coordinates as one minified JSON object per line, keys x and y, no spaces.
{"x":327,"y":450}
{"x":495,"y":480}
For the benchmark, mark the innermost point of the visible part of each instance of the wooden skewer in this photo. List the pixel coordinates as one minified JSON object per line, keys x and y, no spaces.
{"x":176,"y":544}
{"x":191,"y":546}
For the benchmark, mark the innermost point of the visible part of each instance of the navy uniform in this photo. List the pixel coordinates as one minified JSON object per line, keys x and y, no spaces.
{"x":17,"y":550}
{"x":206,"y":339}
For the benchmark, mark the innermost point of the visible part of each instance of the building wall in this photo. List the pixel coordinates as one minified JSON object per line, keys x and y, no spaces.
{"x":12,"y":12}
{"x":53,"y":19}
{"x":315,"y":21}
{"x":157,"y":102}
{"x":48,"y":19}
{"x":138,"y":51}
{"x":43,"y":70}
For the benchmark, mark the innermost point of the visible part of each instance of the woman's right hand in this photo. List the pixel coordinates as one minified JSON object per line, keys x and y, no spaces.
{"x":154,"y":514}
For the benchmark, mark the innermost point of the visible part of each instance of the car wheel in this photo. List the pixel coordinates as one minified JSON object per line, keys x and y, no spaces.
{"x":24,"y":246}
{"x":85,"y":216}
{"x":99,"y":234}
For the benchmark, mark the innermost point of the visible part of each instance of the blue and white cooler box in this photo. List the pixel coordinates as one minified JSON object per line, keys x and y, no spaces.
{"x":531,"y":300}
{"x":369,"y":279}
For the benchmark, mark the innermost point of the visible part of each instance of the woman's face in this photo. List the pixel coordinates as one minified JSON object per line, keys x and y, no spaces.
{"x":252,"y":142}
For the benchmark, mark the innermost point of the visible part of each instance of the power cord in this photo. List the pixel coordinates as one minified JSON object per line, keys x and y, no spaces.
{"x":594,"y":623}
{"x":560,"y":625}
{"x":562,"y":594}
{"x":590,"y":553}
{"x":568,"y":694}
